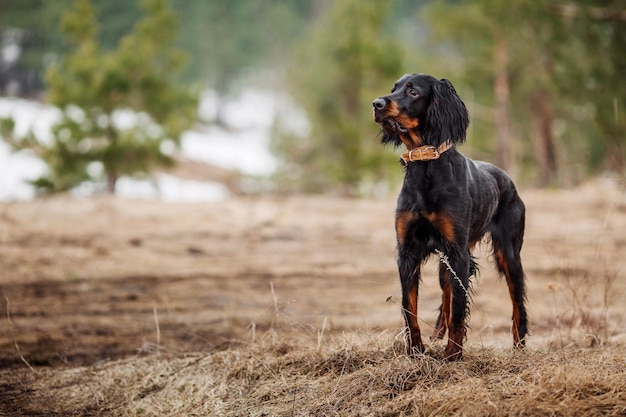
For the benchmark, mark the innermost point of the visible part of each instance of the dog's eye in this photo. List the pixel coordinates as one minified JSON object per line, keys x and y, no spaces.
{"x":412,"y":92}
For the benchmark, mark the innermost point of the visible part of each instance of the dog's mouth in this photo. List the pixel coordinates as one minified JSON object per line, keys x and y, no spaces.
{"x":391,"y":125}
{"x":390,"y":118}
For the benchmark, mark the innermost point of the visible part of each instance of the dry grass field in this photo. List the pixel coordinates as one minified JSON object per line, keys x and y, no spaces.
{"x":289,"y":306}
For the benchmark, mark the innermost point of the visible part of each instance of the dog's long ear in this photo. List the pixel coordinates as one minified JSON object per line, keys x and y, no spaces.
{"x":446,"y":117}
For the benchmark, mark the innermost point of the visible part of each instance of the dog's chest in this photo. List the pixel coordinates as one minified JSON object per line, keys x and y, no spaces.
{"x":423,"y":196}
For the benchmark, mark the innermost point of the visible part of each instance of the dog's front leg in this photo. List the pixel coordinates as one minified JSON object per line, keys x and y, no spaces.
{"x":458,"y":263}
{"x":443,"y":320}
{"x":409,"y":279}
{"x":409,"y":271}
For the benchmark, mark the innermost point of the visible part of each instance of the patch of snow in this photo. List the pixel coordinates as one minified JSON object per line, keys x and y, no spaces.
{"x":170,"y":188}
{"x":244,"y":147}
{"x":15,"y":170}
{"x":246,"y":151}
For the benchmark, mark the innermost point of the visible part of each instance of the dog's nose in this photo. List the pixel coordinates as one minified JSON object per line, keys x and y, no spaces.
{"x":379,"y":103}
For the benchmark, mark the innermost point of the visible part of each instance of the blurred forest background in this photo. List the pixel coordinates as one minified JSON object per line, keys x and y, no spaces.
{"x":543,"y":80}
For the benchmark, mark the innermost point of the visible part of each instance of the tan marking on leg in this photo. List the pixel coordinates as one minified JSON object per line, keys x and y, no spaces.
{"x":413,"y":310}
{"x":403,"y":221}
{"x":504,"y":265}
{"x":413,"y":323}
{"x":446,"y":310}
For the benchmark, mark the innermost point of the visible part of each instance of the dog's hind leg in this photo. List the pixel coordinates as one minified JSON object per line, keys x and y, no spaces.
{"x":507,"y":234}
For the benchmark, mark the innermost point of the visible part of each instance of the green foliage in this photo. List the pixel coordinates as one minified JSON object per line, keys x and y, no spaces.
{"x":7,"y":125}
{"x":231,"y":40}
{"x":595,"y":90}
{"x":334,"y":77}
{"x":225,"y":40}
{"x":564,"y":71}
{"x":118,"y":106}
{"x":33,"y":25}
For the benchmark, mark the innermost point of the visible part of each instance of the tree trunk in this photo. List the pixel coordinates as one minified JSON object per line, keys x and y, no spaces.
{"x":111,"y":182}
{"x":543,"y":112}
{"x":615,"y":156}
{"x":614,"y":159}
{"x":501,"y":113}
{"x":110,"y":162}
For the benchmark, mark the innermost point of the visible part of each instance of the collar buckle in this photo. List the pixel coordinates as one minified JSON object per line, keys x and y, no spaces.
{"x":426,"y":153}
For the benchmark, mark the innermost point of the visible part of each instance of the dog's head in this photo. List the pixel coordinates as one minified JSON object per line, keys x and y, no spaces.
{"x":421,"y":110}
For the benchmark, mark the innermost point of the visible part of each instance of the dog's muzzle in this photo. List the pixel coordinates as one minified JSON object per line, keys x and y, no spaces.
{"x":389,"y":124}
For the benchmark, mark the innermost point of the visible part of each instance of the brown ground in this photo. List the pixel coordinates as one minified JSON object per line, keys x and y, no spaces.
{"x":87,"y":281}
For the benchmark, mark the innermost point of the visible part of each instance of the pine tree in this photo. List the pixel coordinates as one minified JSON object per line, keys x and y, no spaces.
{"x":119,"y":107}
{"x":335,"y":75}
{"x":561,"y":66}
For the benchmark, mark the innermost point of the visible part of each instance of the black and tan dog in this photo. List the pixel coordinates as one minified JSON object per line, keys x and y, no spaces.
{"x":447,"y":203}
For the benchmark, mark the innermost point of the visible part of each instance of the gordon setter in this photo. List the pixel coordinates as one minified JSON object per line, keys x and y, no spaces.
{"x":448,"y":202}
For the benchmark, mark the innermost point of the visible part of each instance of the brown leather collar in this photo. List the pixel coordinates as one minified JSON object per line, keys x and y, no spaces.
{"x":424,"y":153}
